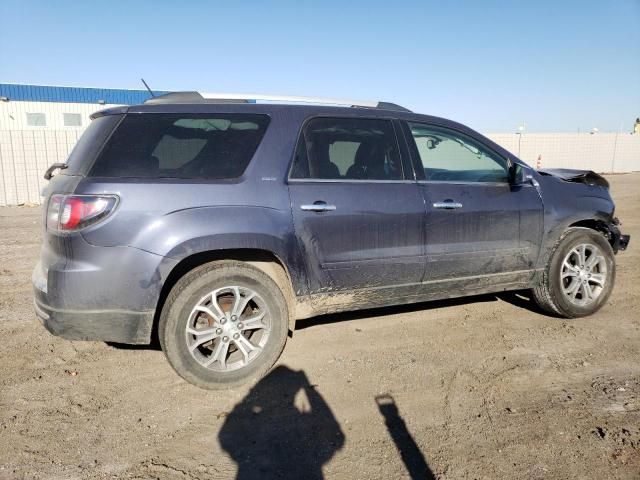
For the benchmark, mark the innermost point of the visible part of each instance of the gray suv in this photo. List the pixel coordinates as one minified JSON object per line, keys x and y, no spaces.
{"x":215,"y":223}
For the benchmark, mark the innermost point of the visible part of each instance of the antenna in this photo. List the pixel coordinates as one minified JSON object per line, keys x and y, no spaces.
{"x":145,"y":84}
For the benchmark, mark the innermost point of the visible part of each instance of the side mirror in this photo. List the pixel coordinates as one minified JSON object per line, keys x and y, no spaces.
{"x":519,"y":175}
{"x":516,"y":174}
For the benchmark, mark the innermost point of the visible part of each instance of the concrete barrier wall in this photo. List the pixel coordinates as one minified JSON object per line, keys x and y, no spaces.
{"x":26,"y":154}
{"x":600,"y":152}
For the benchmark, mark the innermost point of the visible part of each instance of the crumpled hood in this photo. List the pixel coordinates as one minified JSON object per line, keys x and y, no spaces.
{"x":587,"y":177}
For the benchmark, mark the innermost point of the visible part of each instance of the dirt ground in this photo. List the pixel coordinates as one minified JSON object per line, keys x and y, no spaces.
{"x":485,"y":387}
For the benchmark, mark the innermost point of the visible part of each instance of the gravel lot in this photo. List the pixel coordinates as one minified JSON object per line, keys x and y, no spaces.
{"x":484,"y":387}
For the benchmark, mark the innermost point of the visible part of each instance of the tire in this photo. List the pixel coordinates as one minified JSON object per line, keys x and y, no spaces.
{"x":187,"y":305}
{"x":554,"y":292}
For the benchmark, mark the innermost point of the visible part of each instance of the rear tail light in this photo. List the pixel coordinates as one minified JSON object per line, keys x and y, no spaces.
{"x":72,"y":212}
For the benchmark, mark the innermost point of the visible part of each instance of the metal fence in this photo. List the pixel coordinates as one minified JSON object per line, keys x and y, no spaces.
{"x":26,"y":154}
{"x":24,"y":157}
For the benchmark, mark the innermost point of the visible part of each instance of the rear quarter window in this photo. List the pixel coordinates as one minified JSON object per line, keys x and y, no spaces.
{"x":89,"y":144}
{"x":207,"y":146}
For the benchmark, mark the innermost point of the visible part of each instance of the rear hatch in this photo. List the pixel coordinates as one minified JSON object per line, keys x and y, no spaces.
{"x":57,"y":249}
{"x":82,"y":156}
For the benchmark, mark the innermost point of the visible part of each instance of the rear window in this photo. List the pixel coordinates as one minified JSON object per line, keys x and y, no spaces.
{"x":89,"y":144}
{"x":210,"y":146}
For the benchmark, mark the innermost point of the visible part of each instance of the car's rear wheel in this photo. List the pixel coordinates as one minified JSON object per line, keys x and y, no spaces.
{"x":579,"y":276}
{"x":224,"y":324}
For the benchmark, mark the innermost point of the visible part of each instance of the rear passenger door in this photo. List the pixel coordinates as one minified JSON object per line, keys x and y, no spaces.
{"x":357,"y":210}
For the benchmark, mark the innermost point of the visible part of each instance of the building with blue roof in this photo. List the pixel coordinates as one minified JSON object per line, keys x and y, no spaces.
{"x":41,"y":107}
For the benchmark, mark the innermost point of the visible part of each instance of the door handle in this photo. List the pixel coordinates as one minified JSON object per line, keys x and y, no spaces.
{"x":447,"y":205}
{"x":318,"y":207}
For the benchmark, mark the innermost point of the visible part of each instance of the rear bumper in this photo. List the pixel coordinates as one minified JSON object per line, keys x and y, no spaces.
{"x":105,"y":325}
{"x":98,"y":293}
{"x":122,"y":326}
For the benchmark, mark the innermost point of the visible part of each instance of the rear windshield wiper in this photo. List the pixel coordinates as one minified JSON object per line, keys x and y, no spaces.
{"x":56,"y":166}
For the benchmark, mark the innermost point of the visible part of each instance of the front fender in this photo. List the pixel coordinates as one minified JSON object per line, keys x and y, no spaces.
{"x":564,"y":211}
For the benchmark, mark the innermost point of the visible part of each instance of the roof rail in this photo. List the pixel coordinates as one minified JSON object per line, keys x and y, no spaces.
{"x":197,"y":97}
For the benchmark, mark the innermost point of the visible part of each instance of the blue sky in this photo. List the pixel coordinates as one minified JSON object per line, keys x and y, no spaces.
{"x":556,"y":65}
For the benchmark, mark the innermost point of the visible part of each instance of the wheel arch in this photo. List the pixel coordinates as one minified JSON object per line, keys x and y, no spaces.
{"x":607,"y":228}
{"x":556,"y":228}
{"x":264,"y":260}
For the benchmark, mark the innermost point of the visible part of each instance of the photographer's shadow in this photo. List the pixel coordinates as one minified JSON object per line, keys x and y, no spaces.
{"x":283,"y":428}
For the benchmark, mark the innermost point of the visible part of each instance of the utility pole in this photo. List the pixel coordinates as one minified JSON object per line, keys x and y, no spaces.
{"x":520,"y":132}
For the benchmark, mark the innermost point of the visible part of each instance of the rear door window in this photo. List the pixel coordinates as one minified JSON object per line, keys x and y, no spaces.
{"x":347,"y":149}
{"x":206,"y":146}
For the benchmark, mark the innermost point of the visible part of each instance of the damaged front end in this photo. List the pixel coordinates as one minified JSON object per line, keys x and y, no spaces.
{"x":608,"y":226}
{"x":588,"y":177}
{"x":611,"y":230}
{"x":617,"y":239}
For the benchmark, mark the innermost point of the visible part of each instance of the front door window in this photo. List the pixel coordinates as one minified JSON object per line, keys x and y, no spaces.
{"x":448,"y":156}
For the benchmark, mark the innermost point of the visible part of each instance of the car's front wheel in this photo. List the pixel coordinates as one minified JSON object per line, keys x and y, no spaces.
{"x":223,"y":324}
{"x":579,"y":276}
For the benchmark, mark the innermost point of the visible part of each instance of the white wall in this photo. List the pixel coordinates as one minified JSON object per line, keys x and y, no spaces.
{"x":600,"y":152}
{"x":13,"y":114}
{"x":24,"y":157}
{"x":26,"y":151}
